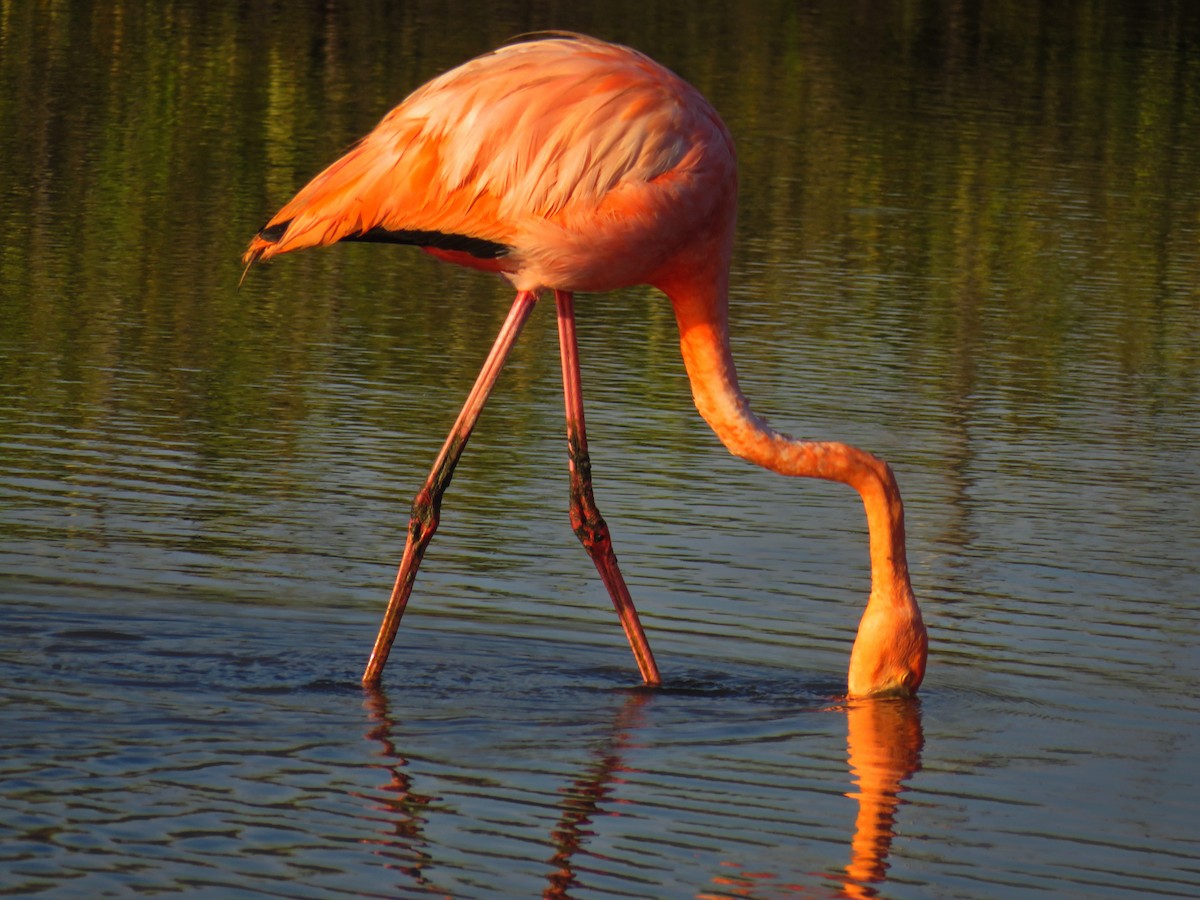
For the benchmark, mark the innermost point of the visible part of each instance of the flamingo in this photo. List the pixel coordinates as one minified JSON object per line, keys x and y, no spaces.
{"x":567,"y":164}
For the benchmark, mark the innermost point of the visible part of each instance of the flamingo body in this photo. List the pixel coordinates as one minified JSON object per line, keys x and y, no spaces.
{"x":568,"y":164}
{"x":561,"y":163}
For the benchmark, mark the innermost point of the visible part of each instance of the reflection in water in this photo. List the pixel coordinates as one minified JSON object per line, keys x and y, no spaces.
{"x":883,"y":741}
{"x":583,"y":799}
{"x":970,"y":238}
{"x":404,"y":810}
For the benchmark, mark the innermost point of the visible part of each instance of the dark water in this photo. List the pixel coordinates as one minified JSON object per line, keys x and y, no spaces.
{"x":969,"y":240}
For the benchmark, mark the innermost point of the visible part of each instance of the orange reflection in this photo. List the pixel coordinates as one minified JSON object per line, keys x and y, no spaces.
{"x":883,"y":743}
{"x":583,"y":800}
{"x":403,"y":808}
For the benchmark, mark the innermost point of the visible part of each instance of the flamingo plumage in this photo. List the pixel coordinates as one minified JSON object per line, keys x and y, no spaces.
{"x":568,"y":164}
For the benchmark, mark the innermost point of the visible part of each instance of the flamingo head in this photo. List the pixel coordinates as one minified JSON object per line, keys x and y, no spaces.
{"x":888,"y":659}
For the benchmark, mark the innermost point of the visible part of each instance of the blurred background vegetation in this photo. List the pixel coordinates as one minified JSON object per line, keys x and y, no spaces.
{"x":1006,"y":188}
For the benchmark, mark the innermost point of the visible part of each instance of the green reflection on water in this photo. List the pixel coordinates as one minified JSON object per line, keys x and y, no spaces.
{"x":969,"y":238}
{"x":1005,"y":193}
{"x":1030,"y":169}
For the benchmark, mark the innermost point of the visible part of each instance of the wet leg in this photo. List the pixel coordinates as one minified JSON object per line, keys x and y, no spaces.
{"x":586,"y":520}
{"x":426,"y":508}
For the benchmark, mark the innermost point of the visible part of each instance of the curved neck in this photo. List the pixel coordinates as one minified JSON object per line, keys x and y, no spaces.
{"x":889,"y":652}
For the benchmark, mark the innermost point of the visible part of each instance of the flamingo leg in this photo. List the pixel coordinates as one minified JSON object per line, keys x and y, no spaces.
{"x":589,"y":525}
{"x":427,"y":505}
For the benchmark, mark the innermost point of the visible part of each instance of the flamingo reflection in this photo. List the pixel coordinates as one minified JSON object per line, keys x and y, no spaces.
{"x":585,"y":798}
{"x":403,"y":809}
{"x":884,"y":742}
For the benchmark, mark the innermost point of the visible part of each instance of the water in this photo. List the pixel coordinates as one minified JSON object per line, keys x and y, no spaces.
{"x":968,"y":241}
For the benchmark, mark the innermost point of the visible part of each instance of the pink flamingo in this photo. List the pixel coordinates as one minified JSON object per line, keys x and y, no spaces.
{"x":569,"y":164}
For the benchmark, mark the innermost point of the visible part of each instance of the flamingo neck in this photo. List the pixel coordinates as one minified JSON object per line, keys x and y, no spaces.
{"x":890,"y":649}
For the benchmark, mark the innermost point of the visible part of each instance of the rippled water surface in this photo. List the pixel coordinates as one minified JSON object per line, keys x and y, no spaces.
{"x":968,"y":240}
